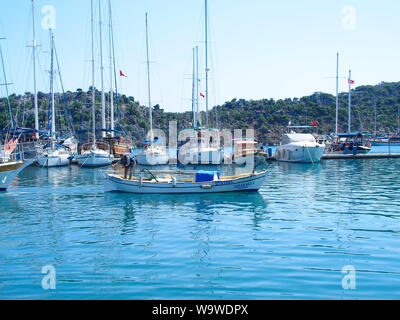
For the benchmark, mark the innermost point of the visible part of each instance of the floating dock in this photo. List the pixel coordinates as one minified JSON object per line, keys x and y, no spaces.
{"x":341,"y":156}
{"x":332,"y":156}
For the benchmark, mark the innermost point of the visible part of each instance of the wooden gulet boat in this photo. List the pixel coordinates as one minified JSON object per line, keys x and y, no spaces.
{"x":9,"y":170}
{"x":183,"y":182}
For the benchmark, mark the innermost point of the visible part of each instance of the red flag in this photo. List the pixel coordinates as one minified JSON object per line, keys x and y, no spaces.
{"x":202,"y":95}
{"x":122,"y":74}
{"x":351,"y":81}
{"x":313,"y":123}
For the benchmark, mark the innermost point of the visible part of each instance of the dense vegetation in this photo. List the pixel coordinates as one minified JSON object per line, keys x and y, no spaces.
{"x":268,"y":117}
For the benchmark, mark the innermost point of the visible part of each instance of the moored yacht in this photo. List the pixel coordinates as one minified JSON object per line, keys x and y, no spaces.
{"x":299,"y":147}
{"x":153,"y":153}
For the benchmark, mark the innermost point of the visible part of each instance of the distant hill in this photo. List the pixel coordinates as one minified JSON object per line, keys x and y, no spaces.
{"x":268,"y":117}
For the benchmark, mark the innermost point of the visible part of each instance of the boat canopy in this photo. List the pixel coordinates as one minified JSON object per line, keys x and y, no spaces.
{"x":206,"y":176}
{"x":297,"y":137}
{"x":18,"y":131}
{"x":353,"y":134}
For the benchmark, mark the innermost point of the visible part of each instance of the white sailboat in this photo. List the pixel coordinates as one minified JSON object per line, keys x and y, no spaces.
{"x":203,"y":151}
{"x":91,"y":155}
{"x":11,"y":161}
{"x":153,"y":154}
{"x":53,"y":155}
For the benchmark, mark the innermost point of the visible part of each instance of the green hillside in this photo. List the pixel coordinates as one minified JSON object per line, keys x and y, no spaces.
{"x":268,"y":117}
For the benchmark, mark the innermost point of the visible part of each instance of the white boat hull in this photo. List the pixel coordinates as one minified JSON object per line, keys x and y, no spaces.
{"x":205,"y":157}
{"x":7,"y":176}
{"x":152,"y":159}
{"x":298,"y":153}
{"x":94,"y":159}
{"x":249,"y":183}
{"x":53,"y":160}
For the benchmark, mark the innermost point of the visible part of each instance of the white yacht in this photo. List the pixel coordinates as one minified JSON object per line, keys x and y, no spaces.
{"x":153,"y":153}
{"x":54,"y":158}
{"x":299,"y":147}
{"x":53,"y":155}
{"x":91,"y":154}
{"x":94,"y":157}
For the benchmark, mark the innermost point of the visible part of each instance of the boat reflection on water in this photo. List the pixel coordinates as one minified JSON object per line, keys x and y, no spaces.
{"x":200,"y":203}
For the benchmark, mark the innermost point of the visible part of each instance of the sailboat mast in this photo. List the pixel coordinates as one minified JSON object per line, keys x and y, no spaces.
{"x":103,"y":106}
{"x":93,"y":89}
{"x":375,"y":117}
{"x":206,"y":56}
{"x":349,"y":120}
{"x":148,"y":82}
{"x":36,"y":110}
{"x":53,"y":117}
{"x":198,"y":124}
{"x":6,"y":85}
{"x":193,"y":88}
{"x":111,"y":70}
{"x":337,"y":92}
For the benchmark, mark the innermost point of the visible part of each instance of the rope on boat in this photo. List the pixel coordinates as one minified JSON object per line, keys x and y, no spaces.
{"x":310,"y":156}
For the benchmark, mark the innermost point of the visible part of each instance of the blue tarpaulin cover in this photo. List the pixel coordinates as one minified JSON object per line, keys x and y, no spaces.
{"x":206,"y":176}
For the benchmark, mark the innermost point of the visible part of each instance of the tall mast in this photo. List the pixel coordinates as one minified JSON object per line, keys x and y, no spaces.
{"x":206,"y":55}
{"x":337,"y":92}
{"x":349,"y":121}
{"x":148,"y":81}
{"x":375,"y":117}
{"x":198,"y":124}
{"x":34,"y":72}
{"x":53,"y":116}
{"x":193,"y":88}
{"x":111,"y":70}
{"x":93,"y":89}
{"x":103,"y":105}
{"x":398,"y":120}
{"x":6,"y":85}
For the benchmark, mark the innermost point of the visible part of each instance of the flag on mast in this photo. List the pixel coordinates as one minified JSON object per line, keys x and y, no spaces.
{"x":122,"y":74}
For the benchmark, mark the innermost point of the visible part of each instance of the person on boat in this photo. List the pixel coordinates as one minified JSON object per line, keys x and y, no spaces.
{"x":128,"y":163}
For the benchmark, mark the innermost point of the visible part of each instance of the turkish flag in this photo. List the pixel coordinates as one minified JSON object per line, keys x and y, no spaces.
{"x":313,"y":123}
{"x":122,"y":74}
{"x":202,"y":95}
{"x":351,"y":81}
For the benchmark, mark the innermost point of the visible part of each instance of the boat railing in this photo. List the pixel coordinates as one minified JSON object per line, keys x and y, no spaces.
{"x":22,"y":151}
{"x":100,"y":144}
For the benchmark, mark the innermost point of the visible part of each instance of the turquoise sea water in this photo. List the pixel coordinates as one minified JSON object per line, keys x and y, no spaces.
{"x":289,"y":241}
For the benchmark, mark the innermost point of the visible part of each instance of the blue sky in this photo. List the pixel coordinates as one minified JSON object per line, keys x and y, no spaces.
{"x":259,"y":49}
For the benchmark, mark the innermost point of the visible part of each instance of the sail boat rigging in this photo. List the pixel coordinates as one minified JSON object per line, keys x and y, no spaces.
{"x":153,"y":154}
{"x":53,"y":155}
{"x":11,"y":156}
{"x":206,"y":150}
{"x":90,"y":154}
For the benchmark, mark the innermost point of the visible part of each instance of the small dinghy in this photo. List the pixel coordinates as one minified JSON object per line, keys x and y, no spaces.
{"x":180,"y":182}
